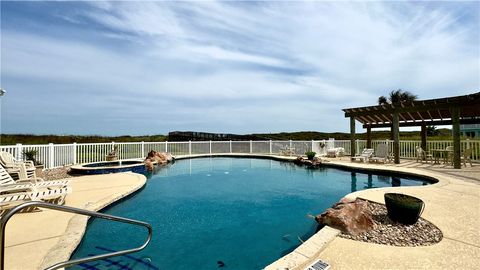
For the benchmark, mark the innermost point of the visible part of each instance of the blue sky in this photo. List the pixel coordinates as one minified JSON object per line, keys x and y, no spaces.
{"x":138,"y":68}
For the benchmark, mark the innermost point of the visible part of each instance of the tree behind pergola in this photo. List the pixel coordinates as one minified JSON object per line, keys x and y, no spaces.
{"x":397,"y":96}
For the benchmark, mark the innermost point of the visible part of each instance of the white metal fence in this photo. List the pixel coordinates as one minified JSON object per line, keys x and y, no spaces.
{"x":57,"y":155}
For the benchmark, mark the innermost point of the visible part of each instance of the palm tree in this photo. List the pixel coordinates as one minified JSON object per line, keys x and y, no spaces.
{"x":397,"y":96}
{"x":432,"y":131}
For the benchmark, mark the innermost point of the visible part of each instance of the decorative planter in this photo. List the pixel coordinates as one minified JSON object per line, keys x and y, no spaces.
{"x":310,"y":155}
{"x":403,"y":208}
{"x":111,"y":157}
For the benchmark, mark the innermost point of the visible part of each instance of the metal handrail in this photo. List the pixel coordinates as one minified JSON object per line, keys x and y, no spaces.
{"x":74,"y":210}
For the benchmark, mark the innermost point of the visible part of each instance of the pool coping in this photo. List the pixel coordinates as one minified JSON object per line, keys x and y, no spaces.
{"x":81,"y":167}
{"x":300,"y":257}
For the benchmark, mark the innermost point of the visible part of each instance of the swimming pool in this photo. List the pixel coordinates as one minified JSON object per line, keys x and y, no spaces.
{"x":241,"y":213}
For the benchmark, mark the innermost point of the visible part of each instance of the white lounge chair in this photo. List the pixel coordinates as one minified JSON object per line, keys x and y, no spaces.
{"x":381,"y":155}
{"x":7,"y":180}
{"x":364,"y":156}
{"x":12,"y":165}
{"x":13,"y":196}
{"x":10,"y":198}
{"x":49,"y":191}
{"x":335,"y":152}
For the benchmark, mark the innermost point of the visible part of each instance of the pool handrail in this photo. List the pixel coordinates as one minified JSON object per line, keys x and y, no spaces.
{"x":6,"y":217}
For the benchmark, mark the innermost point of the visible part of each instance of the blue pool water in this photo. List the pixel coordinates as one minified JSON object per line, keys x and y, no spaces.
{"x":244,"y":213}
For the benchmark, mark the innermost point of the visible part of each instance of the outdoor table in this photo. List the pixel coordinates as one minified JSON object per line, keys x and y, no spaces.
{"x":440,"y":152}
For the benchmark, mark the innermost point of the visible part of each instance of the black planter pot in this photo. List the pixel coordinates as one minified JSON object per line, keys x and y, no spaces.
{"x":403,"y":208}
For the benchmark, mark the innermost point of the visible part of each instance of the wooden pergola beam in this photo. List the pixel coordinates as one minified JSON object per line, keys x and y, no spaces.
{"x":463,"y":121}
{"x":451,"y":111}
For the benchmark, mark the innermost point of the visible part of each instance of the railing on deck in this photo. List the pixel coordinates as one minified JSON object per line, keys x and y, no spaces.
{"x":57,"y":155}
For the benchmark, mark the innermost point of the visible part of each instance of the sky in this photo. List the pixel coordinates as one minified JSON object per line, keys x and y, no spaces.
{"x":144,"y":68}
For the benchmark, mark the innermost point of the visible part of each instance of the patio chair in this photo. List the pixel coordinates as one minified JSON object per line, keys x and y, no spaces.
{"x":381,"y":155}
{"x":423,"y":155}
{"x":7,"y":180}
{"x":364,"y":156}
{"x":466,"y":157}
{"x":449,"y":157}
{"x":11,"y":164}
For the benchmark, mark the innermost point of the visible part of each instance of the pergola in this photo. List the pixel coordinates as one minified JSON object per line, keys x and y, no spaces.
{"x":442,"y":111}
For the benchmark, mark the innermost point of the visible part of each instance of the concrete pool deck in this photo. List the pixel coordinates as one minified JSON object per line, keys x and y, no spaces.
{"x":452,"y":205}
{"x":38,"y":240}
{"x":41,"y":239}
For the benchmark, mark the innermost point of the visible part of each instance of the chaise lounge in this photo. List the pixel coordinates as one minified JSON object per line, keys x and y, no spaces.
{"x":12,"y":165}
{"x":48,"y":191}
{"x":364,"y":156}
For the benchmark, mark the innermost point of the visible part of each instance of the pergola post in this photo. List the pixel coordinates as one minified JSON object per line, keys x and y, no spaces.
{"x":396,"y":138}
{"x":369,"y":137}
{"x":352,"y":136}
{"x":455,"y":111}
{"x":423,"y":135}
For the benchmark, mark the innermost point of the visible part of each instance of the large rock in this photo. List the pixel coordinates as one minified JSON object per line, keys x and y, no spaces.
{"x":311,"y":164}
{"x":155,"y":157}
{"x":349,"y":217}
{"x":162,"y":158}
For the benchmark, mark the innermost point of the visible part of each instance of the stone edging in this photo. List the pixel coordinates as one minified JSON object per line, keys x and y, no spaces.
{"x":77,"y":226}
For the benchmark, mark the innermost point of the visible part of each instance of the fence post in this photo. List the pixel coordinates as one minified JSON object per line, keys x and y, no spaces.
{"x":290,"y":144}
{"x":270,"y":152}
{"x":51,"y":156}
{"x":312,"y":146}
{"x":74,"y":153}
{"x":189,"y":147}
{"x":230,"y":146}
{"x":357,"y":146}
{"x":18,"y":151}
{"x":166,"y":146}
{"x":251,"y":148}
{"x":143,"y":150}
{"x":210,"y":146}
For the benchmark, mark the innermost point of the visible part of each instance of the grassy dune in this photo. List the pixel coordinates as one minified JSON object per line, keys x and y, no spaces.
{"x":11,"y":139}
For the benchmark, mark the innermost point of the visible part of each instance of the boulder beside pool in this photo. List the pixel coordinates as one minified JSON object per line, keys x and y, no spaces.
{"x":349,"y":217}
{"x":154,"y":157}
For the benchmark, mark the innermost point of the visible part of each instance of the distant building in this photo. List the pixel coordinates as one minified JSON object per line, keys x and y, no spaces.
{"x":205,"y":136}
{"x":470,"y":130}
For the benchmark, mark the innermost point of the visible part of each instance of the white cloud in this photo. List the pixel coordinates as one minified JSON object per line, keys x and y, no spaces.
{"x":232,"y":67}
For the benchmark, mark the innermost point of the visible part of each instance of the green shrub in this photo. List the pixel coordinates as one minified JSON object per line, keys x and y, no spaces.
{"x":310,"y":155}
{"x":30,"y":155}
